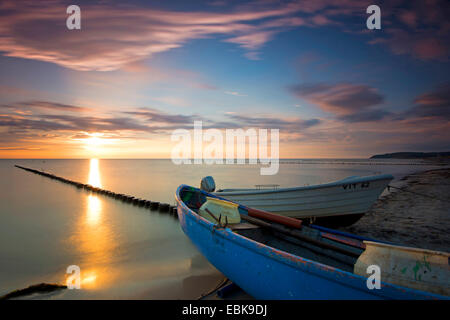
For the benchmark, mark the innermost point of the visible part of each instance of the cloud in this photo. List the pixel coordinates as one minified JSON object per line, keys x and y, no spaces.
{"x":433,"y":104}
{"x":158,"y":117}
{"x":40,"y":133}
{"x":252,"y":41}
{"x":143,"y":120}
{"x":20,"y":148}
{"x":417,"y":28}
{"x":353,"y":103}
{"x":172,"y":101}
{"x":51,"y":122}
{"x":270,"y":122}
{"x":74,"y":119}
{"x":422,"y":45}
{"x":235,"y":93}
{"x":366,"y":116}
{"x":36,"y":104}
{"x":341,"y":98}
{"x":114,"y":36}
{"x":15,"y":122}
{"x":253,"y":55}
{"x":62,"y":133}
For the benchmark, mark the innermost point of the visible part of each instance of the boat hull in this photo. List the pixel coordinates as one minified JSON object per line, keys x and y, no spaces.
{"x":268,"y":273}
{"x":351,"y":196}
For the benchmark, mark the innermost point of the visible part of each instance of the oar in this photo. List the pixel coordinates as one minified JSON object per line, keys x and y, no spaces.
{"x":293,"y":233}
{"x":290,"y":222}
{"x":296,"y":234}
{"x":255,"y":215}
{"x":265,"y":215}
{"x":287,"y":221}
{"x":261,"y":214}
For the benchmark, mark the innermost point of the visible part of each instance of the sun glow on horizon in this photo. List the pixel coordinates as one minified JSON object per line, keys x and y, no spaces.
{"x":96,"y":143}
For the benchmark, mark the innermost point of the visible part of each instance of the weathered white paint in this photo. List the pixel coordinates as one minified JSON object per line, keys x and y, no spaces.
{"x":353,"y":195}
{"x":415,"y":268}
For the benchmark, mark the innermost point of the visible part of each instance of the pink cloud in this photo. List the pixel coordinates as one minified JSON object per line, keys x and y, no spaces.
{"x":421,"y":31}
{"x":409,"y":18}
{"x":112,"y":37}
{"x":430,"y":48}
{"x":421,"y":45}
{"x":342,"y":99}
{"x":320,"y":20}
{"x":252,"y":41}
{"x":115,"y":36}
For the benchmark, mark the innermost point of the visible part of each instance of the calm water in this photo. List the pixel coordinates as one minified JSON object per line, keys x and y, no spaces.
{"x":125,"y":251}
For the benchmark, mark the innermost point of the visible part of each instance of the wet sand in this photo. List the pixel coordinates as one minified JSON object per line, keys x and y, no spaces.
{"x":410,"y":219}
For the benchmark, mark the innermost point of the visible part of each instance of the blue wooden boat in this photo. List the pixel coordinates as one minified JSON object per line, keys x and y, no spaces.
{"x":270,"y":265}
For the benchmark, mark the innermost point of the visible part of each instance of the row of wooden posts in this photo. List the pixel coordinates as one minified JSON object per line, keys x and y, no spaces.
{"x":152,"y":205}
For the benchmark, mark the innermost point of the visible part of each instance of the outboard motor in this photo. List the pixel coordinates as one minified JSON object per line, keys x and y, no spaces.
{"x":208,"y":184}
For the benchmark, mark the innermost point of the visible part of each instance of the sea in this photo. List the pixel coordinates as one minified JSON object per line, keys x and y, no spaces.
{"x":124,"y":251}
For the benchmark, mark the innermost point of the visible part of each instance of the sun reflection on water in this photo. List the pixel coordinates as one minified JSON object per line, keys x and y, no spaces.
{"x":94,"y":211}
{"x":94,"y":173}
{"x":94,"y":238}
{"x":94,"y":203}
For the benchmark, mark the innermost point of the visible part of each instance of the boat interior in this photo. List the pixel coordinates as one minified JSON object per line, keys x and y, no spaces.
{"x":326,"y":248}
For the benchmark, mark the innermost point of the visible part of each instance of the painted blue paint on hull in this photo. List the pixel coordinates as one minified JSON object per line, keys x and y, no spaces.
{"x":345,"y":234}
{"x":268,"y":273}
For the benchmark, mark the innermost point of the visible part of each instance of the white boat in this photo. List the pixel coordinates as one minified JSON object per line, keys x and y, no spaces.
{"x":336,"y":203}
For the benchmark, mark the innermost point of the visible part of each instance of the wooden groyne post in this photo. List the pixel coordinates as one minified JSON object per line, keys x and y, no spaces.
{"x":152,"y":205}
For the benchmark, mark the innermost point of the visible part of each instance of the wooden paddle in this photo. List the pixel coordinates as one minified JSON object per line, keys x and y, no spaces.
{"x":298,"y":235}
{"x":257,"y":213}
{"x":261,"y":214}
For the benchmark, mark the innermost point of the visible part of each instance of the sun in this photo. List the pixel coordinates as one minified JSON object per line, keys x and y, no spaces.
{"x":94,"y":141}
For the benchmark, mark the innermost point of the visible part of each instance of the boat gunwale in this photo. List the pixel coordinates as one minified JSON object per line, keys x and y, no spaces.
{"x":283,"y":202}
{"x":348,"y":180}
{"x":409,"y":249}
{"x":295,"y":194}
{"x":315,"y":268}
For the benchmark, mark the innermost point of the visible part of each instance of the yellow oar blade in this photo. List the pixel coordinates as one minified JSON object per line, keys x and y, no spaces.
{"x":227,"y":211}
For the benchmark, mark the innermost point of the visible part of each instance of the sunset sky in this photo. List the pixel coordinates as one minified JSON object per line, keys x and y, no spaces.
{"x":137,"y":70}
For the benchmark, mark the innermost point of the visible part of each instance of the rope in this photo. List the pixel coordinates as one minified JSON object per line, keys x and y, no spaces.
{"x":419,"y":194}
{"x":221,"y":284}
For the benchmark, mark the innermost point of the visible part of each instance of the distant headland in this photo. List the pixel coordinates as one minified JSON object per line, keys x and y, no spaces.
{"x":411,"y":155}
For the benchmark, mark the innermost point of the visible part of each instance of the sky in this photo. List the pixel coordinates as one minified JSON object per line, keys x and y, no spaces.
{"x":138,"y":70}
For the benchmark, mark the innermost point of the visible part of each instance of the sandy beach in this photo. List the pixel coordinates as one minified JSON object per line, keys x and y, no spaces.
{"x":418,"y":216}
